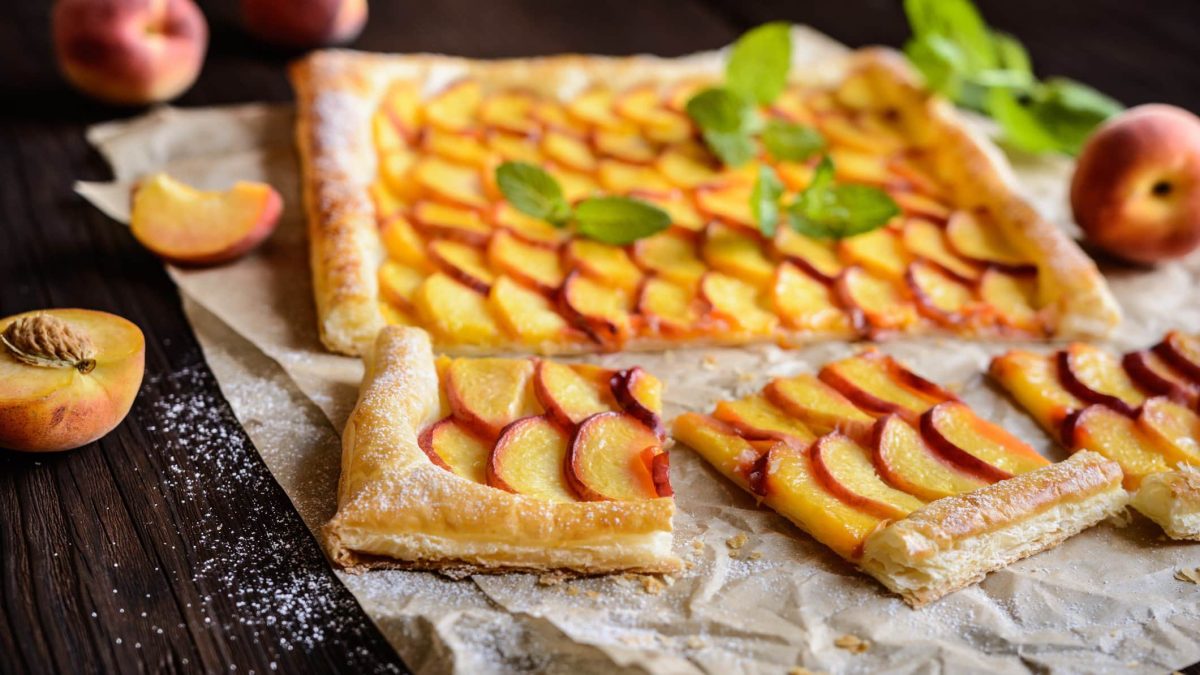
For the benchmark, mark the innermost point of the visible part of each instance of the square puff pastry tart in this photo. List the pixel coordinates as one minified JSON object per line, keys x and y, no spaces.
{"x":407,"y":225}
{"x":898,"y":476}
{"x":1139,"y":411}
{"x":533,"y":466}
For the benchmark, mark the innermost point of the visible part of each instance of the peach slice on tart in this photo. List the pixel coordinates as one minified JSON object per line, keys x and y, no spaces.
{"x":880,"y":252}
{"x":1095,"y":376}
{"x":568,"y":150}
{"x":451,"y":445}
{"x":445,"y":221}
{"x":509,"y":110}
{"x":461,"y":147}
{"x":466,"y":264}
{"x":917,"y":205}
{"x":455,"y":107}
{"x":487,"y":394}
{"x":527,"y":314}
{"x":529,"y":229}
{"x":200,"y":227}
{"x":535,"y":266}
{"x":67,"y":377}
{"x":926,"y":240}
{"x":397,"y":172}
{"x":668,"y":308}
{"x":1156,"y":375}
{"x":1114,"y":435}
{"x":571,"y":394}
{"x":398,"y":283}
{"x":402,"y":107}
{"x":737,"y":252}
{"x":640,"y":394}
{"x":875,"y":304}
{"x":387,"y":202}
{"x":451,"y":182}
{"x":1183,"y":352}
{"x":939,"y":296}
{"x":736,"y":303}
{"x":905,"y":461}
{"x":671,"y":256}
{"x":622,"y":177}
{"x":719,"y":445}
{"x":727,"y":201}
{"x":628,"y":146}
{"x":457,"y":313}
{"x":805,"y":303}
{"x":856,"y":166}
{"x":678,"y":206}
{"x":956,"y":433}
{"x":976,"y":237}
{"x":878,"y":383}
{"x":644,"y":106}
{"x":1011,"y":299}
{"x":817,"y":257}
{"x":1172,"y":425}
{"x":687,"y":165}
{"x":604,"y":262}
{"x":612,"y":457}
{"x":511,"y":147}
{"x":529,"y":458}
{"x":756,"y":418}
{"x":819,"y":406}
{"x":594,"y":107}
{"x":395,"y":316}
{"x":597,"y":308}
{"x":1032,"y":379}
{"x":845,"y":469}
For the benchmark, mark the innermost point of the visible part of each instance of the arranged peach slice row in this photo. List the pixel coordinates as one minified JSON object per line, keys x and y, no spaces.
{"x":441,"y":214}
{"x":549,"y":430}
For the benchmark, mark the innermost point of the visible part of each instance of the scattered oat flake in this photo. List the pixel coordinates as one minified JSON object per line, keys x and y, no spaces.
{"x":573,"y":590}
{"x":756,"y":555}
{"x":852,"y":643}
{"x":593,"y":594}
{"x":737,"y":541}
{"x":1190,"y":575}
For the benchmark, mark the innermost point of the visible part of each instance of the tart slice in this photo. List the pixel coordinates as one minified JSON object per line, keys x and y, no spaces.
{"x":898,"y":476}
{"x":493,"y":464}
{"x":1139,"y":410}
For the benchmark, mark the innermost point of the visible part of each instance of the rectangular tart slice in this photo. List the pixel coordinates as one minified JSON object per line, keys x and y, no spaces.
{"x":898,"y":476}
{"x":488,"y":464}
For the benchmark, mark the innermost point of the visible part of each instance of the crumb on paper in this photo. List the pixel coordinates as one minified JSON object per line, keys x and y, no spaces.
{"x":697,"y":545}
{"x":573,"y":590}
{"x":551,"y":579}
{"x":709,"y":362}
{"x":1121,"y":519}
{"x":756,"y":555}
{"x":852,"y":643}
{"x":694,"y":642}
{"x":594,"y":595}
{"x":688,"y":564}
{"x":801,"y":670}
{"x":736,"y":542}
{"x":1191,"y":575}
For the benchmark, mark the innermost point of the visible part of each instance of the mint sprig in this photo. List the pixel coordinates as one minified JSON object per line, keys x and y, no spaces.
{"x":609,"y":219}
{"x":825,"y":209}
{"x":787,"y":141}
{"x":759,"y":62}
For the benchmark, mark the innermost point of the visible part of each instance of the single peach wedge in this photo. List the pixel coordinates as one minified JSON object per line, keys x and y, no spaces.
{"x":198,"y":227}
{"x":67,"y":377}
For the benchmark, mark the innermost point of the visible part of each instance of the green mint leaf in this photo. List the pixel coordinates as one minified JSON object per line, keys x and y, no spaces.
{"x":939,"y":61}
{"x":721,"y":110}
{"x":533,"y":191}
{"x":764,"y":200}
{"x":1011,"y":55}
{"x":787,"y":141}
{"x":759,"y":62}
{"x":1055,"y":116}
{"x":619,"y":220}
{"x":958,"y":22}
{"x":829,"y":211}
{"x":733,"y":148}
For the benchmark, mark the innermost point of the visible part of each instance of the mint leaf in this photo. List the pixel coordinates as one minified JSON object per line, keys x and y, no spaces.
{"x":619,"y":220}
{"x":829,"y":211}
{"x":720,"y":109}
{"x":533,"y":191}
{"x":787,"y":141}
{"x":764,"y":200}
{"x":958,"y":22}
{"x":733,"y":149}
{"x":1056,"y":115}
{"x":759,"y":62}
{"x":939,"y":61}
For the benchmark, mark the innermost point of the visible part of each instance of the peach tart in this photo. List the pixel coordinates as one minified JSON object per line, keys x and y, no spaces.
{"x":491,"y":464}
{"x":408,"y":226}
{"x":1139,"y":410}
{"x":898,"y":476}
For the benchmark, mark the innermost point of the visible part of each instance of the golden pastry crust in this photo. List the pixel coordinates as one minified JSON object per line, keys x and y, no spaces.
{"x":338,"y":91}
{"x":956,"y":541}
{"x":1172,"y":500}
{"x":397,"y":509}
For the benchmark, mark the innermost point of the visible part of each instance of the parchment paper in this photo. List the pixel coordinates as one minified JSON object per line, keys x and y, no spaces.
{"x":1106,"y":600}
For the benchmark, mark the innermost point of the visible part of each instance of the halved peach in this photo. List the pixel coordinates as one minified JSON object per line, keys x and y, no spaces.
{"x":67,"y":377}
{"x":527,"y":314}
{"x":535,"y":266}
{"x":737,"y":252}
{"x":530,"y":459}
{"x":187,"y":226}
{"x":878,"y":383}
{"x":455,"y":107}
{"x":454,"y":312}
{"x":817,"y":257}
{"x":845,"y":469}
{"x":640,"y":395}
{"x":571,"y":395}
{"x":1154,"y":374}
{"x":671,"y":256}
{"x":608,"y":459}
{"x":925,"y":239}
{"x":451,"y":222}
{"x":452,"y":446}
{"x":975,"y":236}
{"x":819,"y":406}
{"x":756,"y":418}
{"x":1173,"y":425}
{"x":954,"y":431}
{"x":805,"y":303}
{"x":1101,"y":429}
{"x":1095,"y":376}
{"x":940,"y":296}
{"x":599,"y":309}
{"x":904,"y":460}
{"x":465,"y":263}
{"x":875,"y":304}
{"x":736,"y":303}
{"x":1032,"y":379}
{"x":487,"y":394}
{"x":668,"y":308}
{"x":1183,"y":352}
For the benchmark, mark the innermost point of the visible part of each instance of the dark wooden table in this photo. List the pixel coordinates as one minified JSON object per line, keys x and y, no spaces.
{"x":167,"y":546}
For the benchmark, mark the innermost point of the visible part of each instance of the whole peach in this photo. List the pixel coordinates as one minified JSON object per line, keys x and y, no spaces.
{"x":130,"y":52}
{"x":305,"y":23}
{"x":1136,"y":188}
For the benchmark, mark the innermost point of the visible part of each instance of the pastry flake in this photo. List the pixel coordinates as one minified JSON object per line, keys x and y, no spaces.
{"x":399,"y":154}
{"x":896,"y":475}
{"x":489,"y":465}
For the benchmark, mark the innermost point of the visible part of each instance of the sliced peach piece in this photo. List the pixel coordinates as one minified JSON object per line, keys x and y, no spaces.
{"x":604,"y":262}
{"x":402,"y":106}
{"x":187,"y":226}
{"x":397,"y":172}
{"x":719,"y":445}
{"x":1103,"y":430}
{"x":644,"y":106}
{"x":67,"y":377}
{"x":529,"y":459}
{"x":737,"y":252}
{"x":917,"y":205}
{"x":736,"y":302}
{"x":628,"y":146}
{"x":528,"y":228}
{"x":608,"y":460}
{"x":553,"y":115}
{"x":1032,"y":379}
{"x":594,"y":107}
{"x":907,"y":462}
{"x":925,"y":239}
{"x":575,"y":185}
{"x":728,"y":202}
{"x":386,"y":134}
{"x":451,"y":222}
{"x":960,"y":436}
{"x":466,"y":264}
{"x":534,"y":266}
{"x":399,"y":282}
{"x":687,"y":165}
{"x":677,"y":205}
{"x":856,"y":166}
{"x":622,"y":177}
{"x":640,"y":395}
{"x":526,"y":314}
{"x":845,"y":469}
{"x":668,"y":307}
{"x":977,"y":237}
{"x":670,"y":256}
{"x":1154,"y":374}
{"x":874,"y":303}
{"x":454,"y":108}
{"x":879,"y":252}
{"x":569,"y":151}
{"x":1183,"y":352}
{"x":796,"y":176}
{"x":510,"y":111}
{"x":452,"y":446}
{"x":455,"y":312}
{"x":487,"y":394}
{"x":393,"y":315}
{"x":791,"y":487}
{"x":402,"y":242}
{"x":1013,"y":298}
{"x":456,"y":146}
{"x":940,"y":296}
{"x":387,"y":203}
{"x":756,"y":418}
{"x":1174,"y":426}
{"x":599,"y":309}
{"x":571,"y":395}
{"x":917,"y":178}
{"x":1095,"y":376}
{"x":791,"y":106}
{"x":878,"y":383}
{"x":513,"y":148}
{"x":451,"y":182}
{"x":814,"y":256}
{"x":805,"y":303}
{"x":819,"y":406}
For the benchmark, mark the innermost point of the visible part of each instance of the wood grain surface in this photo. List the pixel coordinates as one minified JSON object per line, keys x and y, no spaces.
{"x":167,"y":546}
